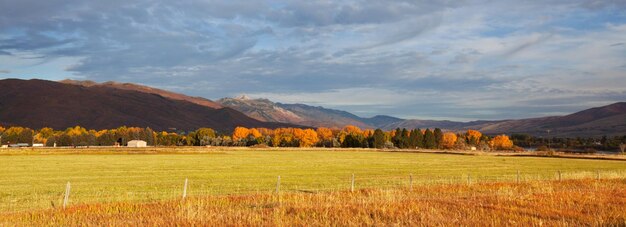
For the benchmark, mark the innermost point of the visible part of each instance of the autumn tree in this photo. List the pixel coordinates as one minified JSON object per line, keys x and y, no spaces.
{"x":355,"y":135}
{"x":203,"y":136}
{"x":501,"y":142}
{"x":325,"y":136}
{"x":473,"y":137}
{"x":43,"y":135}
{"x":306,"y":137}
{"x":284,"y":137}
{"x":240,"y":133}
{"x":448,"y":140}
{"x":17,"y":135}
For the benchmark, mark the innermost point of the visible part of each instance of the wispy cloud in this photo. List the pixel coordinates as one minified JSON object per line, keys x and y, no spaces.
{"x":427,"y":59}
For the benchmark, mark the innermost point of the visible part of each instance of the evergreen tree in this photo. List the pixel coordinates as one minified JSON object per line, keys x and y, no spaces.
{"x":404,"y":139}
{"x":378,"y":138}
{"x":438,"y":137}
{"x":429,"y":139}
{"x":396,"y":139}
{"x":416,"y":138}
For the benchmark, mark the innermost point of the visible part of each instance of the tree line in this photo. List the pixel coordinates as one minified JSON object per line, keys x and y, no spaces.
{"x":348,"y":137}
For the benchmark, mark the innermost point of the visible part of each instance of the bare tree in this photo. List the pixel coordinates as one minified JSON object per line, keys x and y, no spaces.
{"x":622,"y":147}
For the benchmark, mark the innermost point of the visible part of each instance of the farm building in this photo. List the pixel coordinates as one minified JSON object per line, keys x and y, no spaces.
{"x":137,"y":143}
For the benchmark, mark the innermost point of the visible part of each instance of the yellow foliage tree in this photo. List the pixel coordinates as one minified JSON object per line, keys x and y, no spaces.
{"x":324,"y":134}
{"x":501,"y":142}
{"x":255,"y":133}
{"x":43,"y":135}
{"x":352,"y":129}
{"x":266,"y":131}
{"x":307,"y":137}
{"x":282,"y":134}
{"x":448,"y":140}
{"x":240,"y":133}
{"x":473,"y":137}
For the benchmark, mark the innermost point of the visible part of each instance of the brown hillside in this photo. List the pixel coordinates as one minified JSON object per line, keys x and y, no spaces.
{"x":145,"y":89}
{"x":40,"y":103}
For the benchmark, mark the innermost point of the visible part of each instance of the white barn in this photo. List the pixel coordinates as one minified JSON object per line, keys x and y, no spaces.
{"x":137,"y":143}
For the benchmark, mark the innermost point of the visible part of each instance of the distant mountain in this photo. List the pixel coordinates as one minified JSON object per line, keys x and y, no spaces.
{"x":145,"y":89}
{"x":268,"y":111}
{"x":607,"y":120}
{"x":381,"y":121}
{"x":41,"y":103}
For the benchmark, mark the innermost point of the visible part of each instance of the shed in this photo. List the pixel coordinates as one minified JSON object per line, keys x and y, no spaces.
{"x":137,"y":143}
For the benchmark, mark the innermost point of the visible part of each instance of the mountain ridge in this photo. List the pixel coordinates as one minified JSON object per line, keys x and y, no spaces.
{"x":41,"y":103}
{"x":248,"y":112}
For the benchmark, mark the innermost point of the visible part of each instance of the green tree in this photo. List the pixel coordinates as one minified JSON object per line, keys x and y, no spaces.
{"x":379,"y":138}
{"x":429,"y":139}
{"x":417,"y":139}
{"x":404,"y":139}
{"x":203,"y":136}
{"x":438,"y":137}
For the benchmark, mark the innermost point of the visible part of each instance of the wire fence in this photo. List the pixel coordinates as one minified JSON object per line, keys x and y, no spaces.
{"x":79,"y":192}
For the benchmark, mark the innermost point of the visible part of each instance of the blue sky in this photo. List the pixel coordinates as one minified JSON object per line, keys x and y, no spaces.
{"x":459,"y":60}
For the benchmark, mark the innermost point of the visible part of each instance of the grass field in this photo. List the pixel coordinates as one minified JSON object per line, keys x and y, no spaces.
{"x":552,"y":203}
{"x":36,"y":180}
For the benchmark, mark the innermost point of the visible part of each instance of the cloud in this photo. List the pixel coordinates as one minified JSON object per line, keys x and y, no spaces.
{"x":5,"y":71}
{"x":424,"y":58}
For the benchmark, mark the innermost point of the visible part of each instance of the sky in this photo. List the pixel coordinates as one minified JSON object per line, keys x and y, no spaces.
{"x":422,"y":59}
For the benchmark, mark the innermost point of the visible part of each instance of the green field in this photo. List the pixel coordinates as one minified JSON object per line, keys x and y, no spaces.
{"x":33,"y":181}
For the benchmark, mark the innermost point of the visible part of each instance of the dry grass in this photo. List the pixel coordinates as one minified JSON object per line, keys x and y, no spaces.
{"x":552,"y":203}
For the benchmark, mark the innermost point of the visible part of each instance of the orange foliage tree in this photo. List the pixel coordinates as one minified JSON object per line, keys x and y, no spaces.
{"x":501,"y":142}
{"x":282,"y":135}
{"x":368,"y":132}
{"x":324,"y":134}
{"x":255,"y":133}
{"x":448,"y":140}
{"x":240,"y":133}
{"x":349,"y":129}
{"x":306,"y":137}
{"x":473,"y":137}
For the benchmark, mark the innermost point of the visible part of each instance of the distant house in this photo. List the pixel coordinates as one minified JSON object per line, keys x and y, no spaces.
{"x":137,"y":143}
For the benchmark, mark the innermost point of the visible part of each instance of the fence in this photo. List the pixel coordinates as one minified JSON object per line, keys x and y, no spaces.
{"x":78,"y":192}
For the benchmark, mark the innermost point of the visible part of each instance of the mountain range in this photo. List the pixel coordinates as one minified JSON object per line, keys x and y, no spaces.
{"x":41,"y":103}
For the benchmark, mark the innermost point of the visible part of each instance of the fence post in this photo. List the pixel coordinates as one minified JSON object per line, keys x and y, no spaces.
{"x":411,"y":182}
{"x":278,"y":185}
{"x":352,"y":186}
{"x":67,"y":194}
{"x":469,"y":179}
{"x":559,"y":175}
{"x":597,"y":174}
{"x":518,"y":177}
{"x":185,"y":188}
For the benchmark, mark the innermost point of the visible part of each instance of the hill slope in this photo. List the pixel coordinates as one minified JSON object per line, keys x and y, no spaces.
{"x":606,"y":120}
{"x":145,"y":89}
{"x":40,"y":103}
{"x":268,"y":111}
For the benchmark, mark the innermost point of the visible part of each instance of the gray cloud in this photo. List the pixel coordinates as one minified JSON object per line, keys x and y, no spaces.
{"x":441,"y":54}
